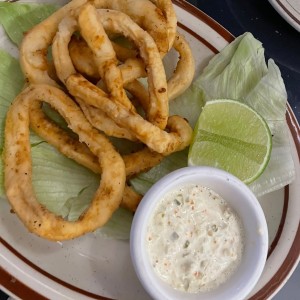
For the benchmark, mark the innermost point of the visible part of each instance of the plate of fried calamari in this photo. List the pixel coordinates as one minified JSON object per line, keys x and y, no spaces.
{"x":99,"y":100}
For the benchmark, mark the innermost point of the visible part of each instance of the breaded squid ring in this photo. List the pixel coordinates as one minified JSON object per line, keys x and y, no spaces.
{"x":167,"y":8}
{"x":179,"y":81}
{"x":138,"y":91}
{"x":18,"y":168}
{"x":185,"y":69}
{"x":104,"y":123}
{"x":132,"y":69}
{"x":135,"y":163}
{"x":156,"y":139}
{"x":146,"y":15}
{"x":117,"y":22}
{"x":82,"y":59}
{"x":64,"y":68}
{"x":35,"y":44}
{"x":105,"y":58}
{"x":60,"y":139}
{"x":78,"y":49}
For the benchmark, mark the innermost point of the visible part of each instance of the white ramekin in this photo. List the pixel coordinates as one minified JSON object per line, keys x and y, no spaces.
{"x":245,"y":204}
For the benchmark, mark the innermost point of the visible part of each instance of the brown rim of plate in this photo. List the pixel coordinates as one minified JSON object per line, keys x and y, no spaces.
{"x":24,"y":292}
{"x":288,"y":12}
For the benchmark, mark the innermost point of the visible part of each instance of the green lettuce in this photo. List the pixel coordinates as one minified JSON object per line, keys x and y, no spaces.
{"x":11,"y":83}
{"x":240,"y":72}
{"x":18,"y":18}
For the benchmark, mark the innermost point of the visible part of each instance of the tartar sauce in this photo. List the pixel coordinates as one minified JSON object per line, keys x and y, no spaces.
{"x":194,"y":239}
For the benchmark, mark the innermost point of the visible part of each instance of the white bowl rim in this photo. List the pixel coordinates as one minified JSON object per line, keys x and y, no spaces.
{"x":153,"y":285}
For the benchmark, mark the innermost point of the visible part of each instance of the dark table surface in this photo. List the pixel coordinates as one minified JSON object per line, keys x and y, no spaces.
{"x":280,"y":40}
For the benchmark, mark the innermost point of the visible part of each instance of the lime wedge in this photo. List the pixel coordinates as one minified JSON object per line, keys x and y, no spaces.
{"x":231,"y":136}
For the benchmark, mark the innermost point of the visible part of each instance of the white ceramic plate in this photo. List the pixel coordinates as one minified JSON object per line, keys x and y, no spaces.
{"x":93,"y":268}
{"x":289,"y":10}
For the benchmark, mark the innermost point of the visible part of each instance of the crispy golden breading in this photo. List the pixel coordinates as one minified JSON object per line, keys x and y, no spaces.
{"x":135,"y":163}
{"x":167,"y":9}
{"x":71,"y":147}
{"x":184,"y":73}
{"x":132,"y":69}
{"x":34,"y":47}
{"x":115,"y":22}
{"x":35,"y":44}
{"x":178,"y":137}
{"x":93,"y":82}
{"x":18,"y":168}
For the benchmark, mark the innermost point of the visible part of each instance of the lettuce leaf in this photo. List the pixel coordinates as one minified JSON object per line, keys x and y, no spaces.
{"x":240,"y":72}
{"x":118,"y":226}
{"x":11,"y":83}
{"x":57,"y":179}
{"x":18,"y":18}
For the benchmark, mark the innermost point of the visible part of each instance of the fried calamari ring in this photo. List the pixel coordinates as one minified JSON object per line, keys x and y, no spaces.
{"x":92,"y":31}
{"x":135,"y":163}
{"x":138,"y":91}
{"x":167,"y":9}
{"x":54,"y":135}
{"x":71,"y":147}
{"x":18,"y":168}
{"x":179,"y":81}
{"x":156,"y":139}
{"x":82,"y":59}
{"x":64,"y":68}
{"x":182,"y":76}
{"x":116,"y":22}
{"x":146,"y":15}
{"x":131,"y":70}
{"x":185,"y":69}
{"x":104,"y":123}
{"x":35,"y":44}
{"x":78,"y":49}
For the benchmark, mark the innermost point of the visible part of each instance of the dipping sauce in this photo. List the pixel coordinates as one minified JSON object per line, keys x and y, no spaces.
{"x":195,"y":240}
